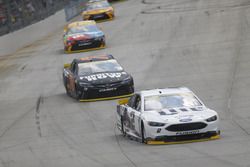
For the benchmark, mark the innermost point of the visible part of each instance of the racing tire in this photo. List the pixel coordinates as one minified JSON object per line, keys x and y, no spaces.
{"x":143,"y":140}
{"x":67,"y":92}
{"x":66,"y":88}
{"x":122,"y":127}
{"x":78,"y":93}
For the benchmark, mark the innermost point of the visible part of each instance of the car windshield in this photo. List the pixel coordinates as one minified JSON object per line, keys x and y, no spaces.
{"x":83,"y":29}
{"x":159,"y":102}
{"x":98,"y":5}
{"x":99,"y":66}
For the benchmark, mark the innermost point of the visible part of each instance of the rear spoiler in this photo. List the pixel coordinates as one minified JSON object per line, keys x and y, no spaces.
{"x":66,"y":65}
{"x":123,"y":101}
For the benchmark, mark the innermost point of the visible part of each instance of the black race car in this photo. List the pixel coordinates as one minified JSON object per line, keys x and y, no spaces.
{"x":95,"y":78}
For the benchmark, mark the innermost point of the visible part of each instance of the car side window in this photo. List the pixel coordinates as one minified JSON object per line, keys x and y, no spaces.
{"x":73,"y":67}
{"x":138,"y":103}
{"x":131,"y":101}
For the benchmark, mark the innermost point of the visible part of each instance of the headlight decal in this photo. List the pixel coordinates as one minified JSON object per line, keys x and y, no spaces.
{"x":211,"y":119}
{"x":156,"y":124}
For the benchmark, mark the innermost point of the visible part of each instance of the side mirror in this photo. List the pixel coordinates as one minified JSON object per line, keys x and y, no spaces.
{"x":66,"y":65}
{"x":123,"y":101}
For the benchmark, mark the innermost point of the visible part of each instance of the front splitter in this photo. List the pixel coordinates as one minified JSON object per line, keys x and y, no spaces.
{"x":84,"y":50}
{"x":105,"y":98}
{"x":152,"y":142}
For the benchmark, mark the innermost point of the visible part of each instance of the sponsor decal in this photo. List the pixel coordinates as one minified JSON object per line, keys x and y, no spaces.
{"x":84,"y":44}
{"x":185,"y":120}
{"x":107,"y":89}
{"x":103,"y":76}
{"x":188,"y":132}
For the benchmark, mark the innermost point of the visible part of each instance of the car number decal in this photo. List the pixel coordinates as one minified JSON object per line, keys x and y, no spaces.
{"x":103,"y":75}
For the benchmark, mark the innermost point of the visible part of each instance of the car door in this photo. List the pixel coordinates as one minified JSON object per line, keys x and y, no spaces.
{"x":131,"y":115}
{"x":136,"y":109}
{"x":128,"y":114}
{"x":71,"y":77}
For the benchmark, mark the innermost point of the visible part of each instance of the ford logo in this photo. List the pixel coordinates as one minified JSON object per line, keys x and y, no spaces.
{"x":186,"y":120}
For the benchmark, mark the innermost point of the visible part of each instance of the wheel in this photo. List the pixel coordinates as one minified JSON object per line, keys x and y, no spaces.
{"x":78,"y":93}
{"x":67,"y":91}
{"x":104,"y":44}
{"x":66,"y":88}
{"x":143,"y":140}
{"x":122,"y":127}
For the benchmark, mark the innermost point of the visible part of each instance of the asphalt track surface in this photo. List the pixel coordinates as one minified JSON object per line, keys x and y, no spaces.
{"x":201,"y":44}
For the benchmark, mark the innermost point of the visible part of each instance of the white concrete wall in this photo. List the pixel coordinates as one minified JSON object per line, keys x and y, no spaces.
{"x":11,"y":42}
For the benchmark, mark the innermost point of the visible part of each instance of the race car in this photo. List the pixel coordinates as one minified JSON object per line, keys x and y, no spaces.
{"x":96,"y":78}
{"x":92,"y":1}
{"x":98,"y":11}
{"x":167,"y":116}
{"x":83,"y":36}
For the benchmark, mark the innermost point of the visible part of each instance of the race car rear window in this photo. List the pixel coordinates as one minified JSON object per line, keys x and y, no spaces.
{"x":99,"y":66}
{"x":159,"y":102}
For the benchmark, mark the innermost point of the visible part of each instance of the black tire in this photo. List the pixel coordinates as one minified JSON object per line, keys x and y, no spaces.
{"x":122,"y":127}
{"x":78,"y":93}
{"x":143,"y":140}
{"x":67,"y":92}
{"x":66,"y":88}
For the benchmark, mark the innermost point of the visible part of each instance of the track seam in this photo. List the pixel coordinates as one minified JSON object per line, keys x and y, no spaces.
{"x":230,"y":94}
{"x":37,"y":115}
{"x":69,"y":141}
{"x":16,"y":121}
{"x":121,"y":149}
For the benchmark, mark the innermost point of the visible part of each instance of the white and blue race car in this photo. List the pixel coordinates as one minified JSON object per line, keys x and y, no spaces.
{"x":166,"y":116}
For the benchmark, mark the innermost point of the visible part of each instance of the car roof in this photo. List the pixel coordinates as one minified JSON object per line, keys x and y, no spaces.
{"x":166,"y":91}
{"x":94,"y":58}
{"x":81,"y":23}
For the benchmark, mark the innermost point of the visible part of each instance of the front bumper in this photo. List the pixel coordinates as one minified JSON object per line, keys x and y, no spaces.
{"x":81,"y":46}
{"x":97,"y":93}
{"x":192,"y":133}
{"x":99,"y":17}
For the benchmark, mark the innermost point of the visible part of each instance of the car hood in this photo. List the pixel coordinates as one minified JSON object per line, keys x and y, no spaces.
{"x":179,"y":115}
{"x":105,"y":77}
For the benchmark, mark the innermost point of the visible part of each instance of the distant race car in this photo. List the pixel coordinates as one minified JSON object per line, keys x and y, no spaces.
{"x":83,"y":36}
{"x":94,"y":1}
{"x":95,"y":78}
{"x":167,"y":116}
{"x":98,"y":11}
